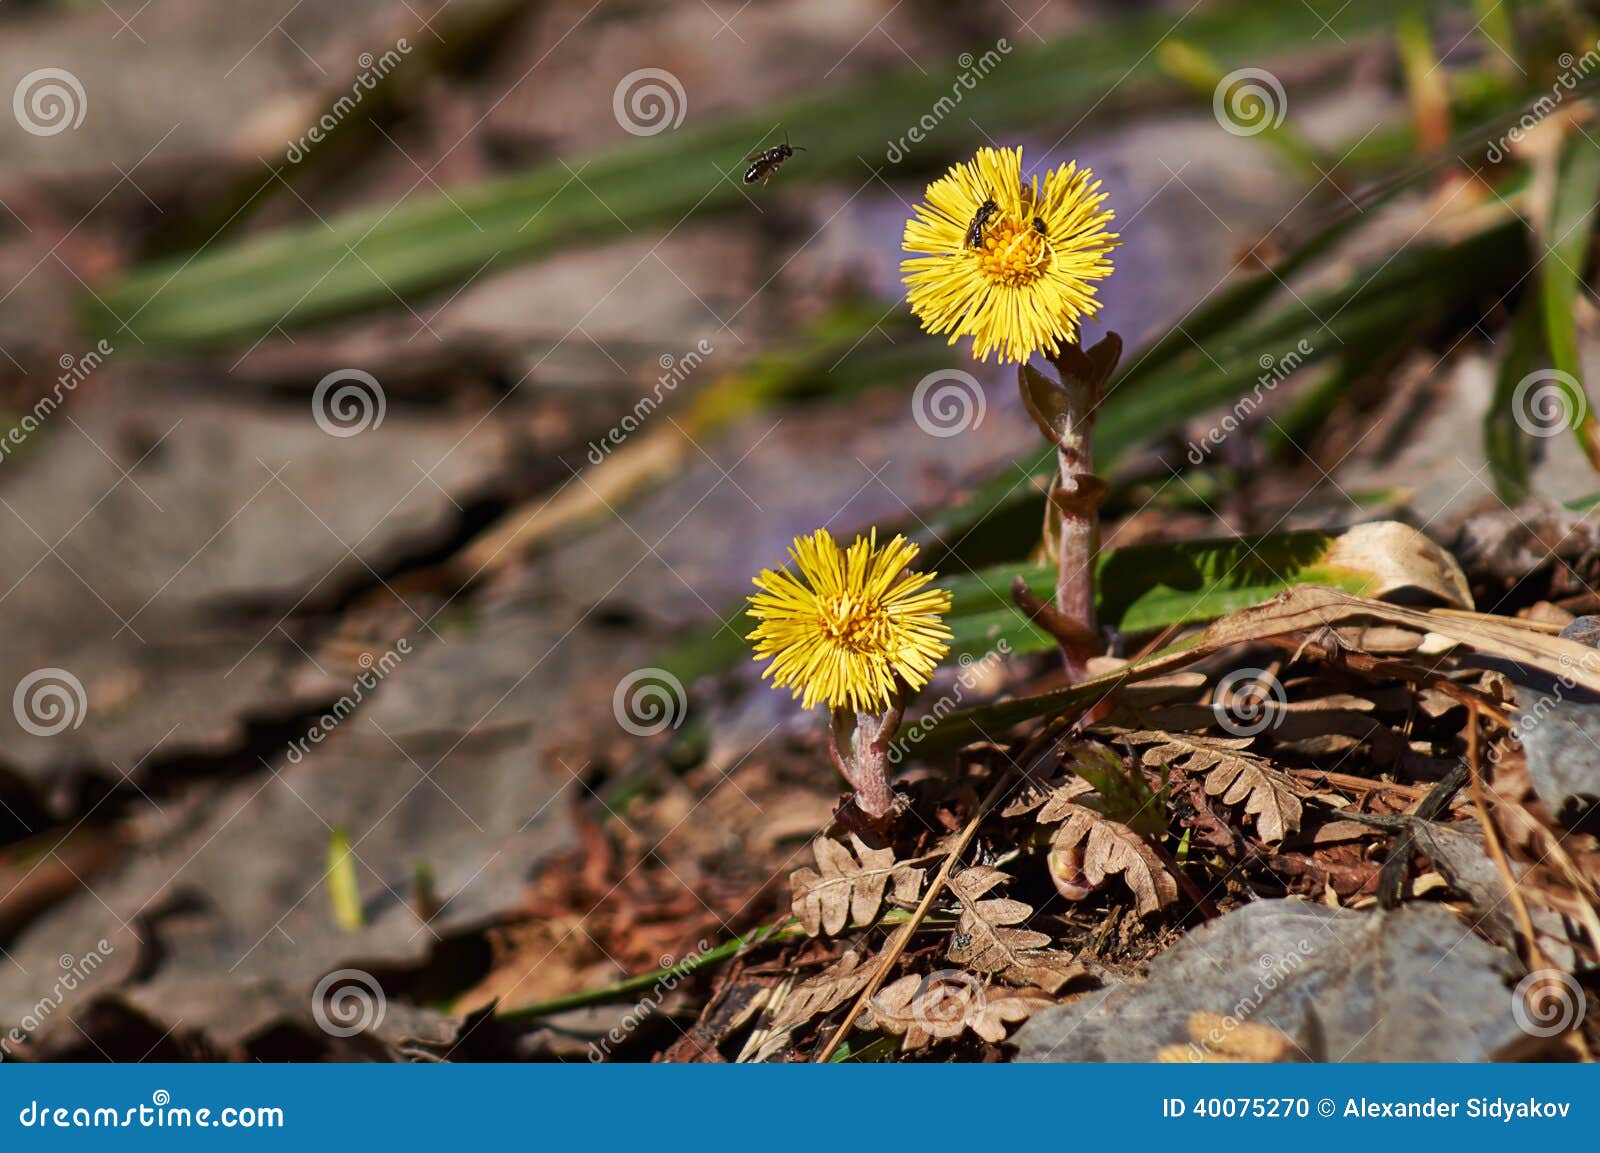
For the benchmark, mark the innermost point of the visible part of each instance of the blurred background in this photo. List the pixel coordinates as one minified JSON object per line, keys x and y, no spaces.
{"x":392,"y":386}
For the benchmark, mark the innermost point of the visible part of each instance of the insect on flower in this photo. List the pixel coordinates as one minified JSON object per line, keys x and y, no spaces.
{"x":975,"y":230}
{"x":1011,"y":263}
{"x":765,"y":162}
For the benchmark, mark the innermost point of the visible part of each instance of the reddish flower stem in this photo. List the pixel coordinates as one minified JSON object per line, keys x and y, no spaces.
{"x":859,"y":744}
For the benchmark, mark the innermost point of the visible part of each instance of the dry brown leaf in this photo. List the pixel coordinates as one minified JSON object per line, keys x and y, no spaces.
{"x":1107,"y":847}
{"x":1060,"y":802}
{"x":1307,"y":608}
{"x":850,"y":887}
{"x":1002,"y":1007}
{"x":1397,"y":556}
{"x":1028,"y":796}
{"x":923,"y":1009}
{"x":1270,"y":796}
{"x":987,"y":939}
{"x":944,"y":1004}
{"x":823,"y":993}
{"x":1310,"y":609}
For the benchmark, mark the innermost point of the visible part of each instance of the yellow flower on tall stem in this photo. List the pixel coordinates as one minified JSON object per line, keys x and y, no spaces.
{"x":1008,"y":263}
{"x":1013,"y":265}
{"x":851,"y":623}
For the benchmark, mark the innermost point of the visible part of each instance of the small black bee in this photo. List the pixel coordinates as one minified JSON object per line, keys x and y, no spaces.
{"x":1038,"y":226}
{"x":765,"y":162}
{"x":975,"y":230}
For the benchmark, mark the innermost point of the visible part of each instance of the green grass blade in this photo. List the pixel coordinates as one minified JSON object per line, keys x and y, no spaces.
{"x":366,"y":259}
{"x":1505,"y":444}
{"x":1568,"y":232}
{"x":344,"y":890}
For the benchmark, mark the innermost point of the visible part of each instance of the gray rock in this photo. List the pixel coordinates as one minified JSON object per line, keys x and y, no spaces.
{"x":1412,"y":984}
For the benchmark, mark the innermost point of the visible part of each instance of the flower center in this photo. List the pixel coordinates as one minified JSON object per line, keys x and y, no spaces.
{"x":853,"y":623}
{"x":1012,"y":253}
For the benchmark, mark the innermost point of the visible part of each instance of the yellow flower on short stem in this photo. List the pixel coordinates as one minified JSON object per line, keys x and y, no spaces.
{"x":1012,"y":264}
{"x":854,"y":630}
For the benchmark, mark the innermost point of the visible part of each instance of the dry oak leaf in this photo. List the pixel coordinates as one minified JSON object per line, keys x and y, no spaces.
{"x":942,"y":1005}
{"x":1107,"y":847}
{"x":1271,"y":797}
{"x":850,"y":887}
{"x":987,"y":939}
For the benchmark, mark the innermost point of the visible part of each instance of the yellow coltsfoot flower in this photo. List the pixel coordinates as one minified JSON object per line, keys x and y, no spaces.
{"x":1008,"y":263}
{"x":852,"y":622}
